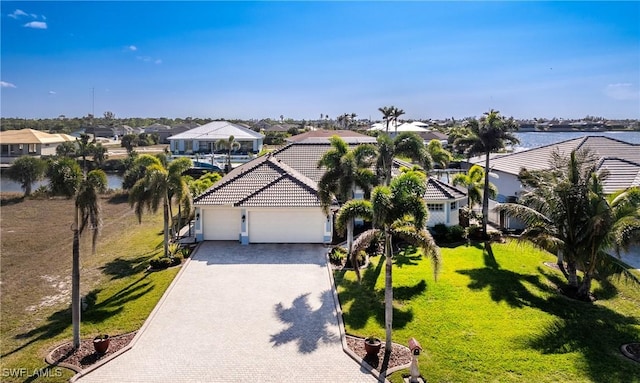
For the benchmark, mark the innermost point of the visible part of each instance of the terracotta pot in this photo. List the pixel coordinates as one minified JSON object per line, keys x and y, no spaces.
{"x":372,"y":346}
{"x":101,"y":344}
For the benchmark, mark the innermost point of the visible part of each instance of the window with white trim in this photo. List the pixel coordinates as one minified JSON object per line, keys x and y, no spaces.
{"x":435,"y":206}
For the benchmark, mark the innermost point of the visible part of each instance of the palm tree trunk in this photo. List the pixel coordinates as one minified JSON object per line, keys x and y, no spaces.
{"x":561,"y":264}
{"x":585,"y":286}
{"x":166,"y":226}
{"x":75,"y":283}
{"x":485,"y":198}
{"x":388,"y":291}
{"x":573,"y":273}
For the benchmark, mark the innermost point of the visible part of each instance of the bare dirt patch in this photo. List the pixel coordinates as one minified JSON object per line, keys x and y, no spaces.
{"x":400,"y":355}
{"x":85,"y":355}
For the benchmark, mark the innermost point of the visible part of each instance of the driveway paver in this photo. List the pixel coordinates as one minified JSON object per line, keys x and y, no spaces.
{"x":262,"y":313}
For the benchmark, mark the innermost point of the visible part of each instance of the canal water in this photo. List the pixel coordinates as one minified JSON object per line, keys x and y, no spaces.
{"x":114,"y":181}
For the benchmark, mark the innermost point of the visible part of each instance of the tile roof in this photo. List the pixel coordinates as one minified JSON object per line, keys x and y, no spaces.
{"x":217,"y":130}
{"x":31,"y":136}
{"x":265,"y":181}
{"x":623,"y":174}
{"x":538,"y":158}
{"x":323,"y":135}
{"x":438,"y":190}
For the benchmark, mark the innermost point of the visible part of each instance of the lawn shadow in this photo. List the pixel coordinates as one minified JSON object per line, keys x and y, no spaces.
{"x":407,"y":256}
{"x":121,"y":268}
{"x":11,"y":200}
{"x":590,"y":329}
{"x":94,"y":313}
{"x":368,"y":302}
{"x":307,"y":326}
{"x":118,"y":198}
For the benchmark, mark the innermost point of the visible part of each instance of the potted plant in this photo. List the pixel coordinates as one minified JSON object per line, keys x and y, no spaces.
{"x":372,"y":345}
{"x":101,"y":343}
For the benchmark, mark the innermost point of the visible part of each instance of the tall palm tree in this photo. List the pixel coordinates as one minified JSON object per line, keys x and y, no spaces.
{"x":488,"y":135}
{"x":228,"y":145}
{"x":161,"y":185}
{"x":395,"y":115}
{"x":398,"y":209}
{"x":87,"y":216}
{"x":406,"y":144}
{"x":346,"y":169}
{"x":387,"y":115}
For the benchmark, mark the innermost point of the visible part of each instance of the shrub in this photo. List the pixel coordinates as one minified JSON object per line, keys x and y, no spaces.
{"x":474,"y":232}
{"x":161,"y":262}
{"x":456,"y":233}
{"x":440,"y":232}
{"x":337,"y":255}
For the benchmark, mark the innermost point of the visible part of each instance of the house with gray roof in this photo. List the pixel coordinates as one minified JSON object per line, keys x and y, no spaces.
{"x":202,"y":139}
{"x":621,"y":160}
{"x":274,"y":198}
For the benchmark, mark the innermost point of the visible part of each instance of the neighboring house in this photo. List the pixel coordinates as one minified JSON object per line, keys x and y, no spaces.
{"x":165,"y":131}
{"x":29,"y":142}
{"x":202,"y":139}
{"x":276,"y":128}
{"x":444,"y":202}
{"x":274,"y":198}
{"x":621,"y":159}
{"x":323,"y":135}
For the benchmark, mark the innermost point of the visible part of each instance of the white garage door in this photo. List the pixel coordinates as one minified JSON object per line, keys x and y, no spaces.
{"x":286,"y":226}
{"x":221,"y":224}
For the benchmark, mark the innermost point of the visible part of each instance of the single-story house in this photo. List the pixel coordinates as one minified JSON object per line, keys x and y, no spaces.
{"x":202,"y":139}
{"x":621,"y":159}
{"x":165,"y":131}
{"x":274,"y":198}
{"x":29,"y":142}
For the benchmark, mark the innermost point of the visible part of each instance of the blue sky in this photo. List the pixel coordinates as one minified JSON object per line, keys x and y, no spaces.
{"x":302,"y":59}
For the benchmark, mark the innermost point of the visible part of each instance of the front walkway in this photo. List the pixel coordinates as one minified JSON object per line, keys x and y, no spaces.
{"x":257,"y":313}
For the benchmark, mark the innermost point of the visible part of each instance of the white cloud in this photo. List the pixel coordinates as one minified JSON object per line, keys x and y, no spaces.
{"x":158,"y":61}
{"x":622,"y":91}
{"x":133,"y":48}
{"x":52,"y":92}
{"x":5,"y":84}
{"x":17,"y":13}
{"x":36,"y":25}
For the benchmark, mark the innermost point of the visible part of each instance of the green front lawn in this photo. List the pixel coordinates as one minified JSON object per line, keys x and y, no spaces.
{"x":497,"y":318}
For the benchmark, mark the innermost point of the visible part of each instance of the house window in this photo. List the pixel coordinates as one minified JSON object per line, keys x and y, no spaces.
{"x":454,"y":205}
{"x":435,"y":206}
{"x":32,"y":148}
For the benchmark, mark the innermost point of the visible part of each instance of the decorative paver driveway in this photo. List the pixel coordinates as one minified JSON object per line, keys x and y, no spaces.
{"x":257,"y":313}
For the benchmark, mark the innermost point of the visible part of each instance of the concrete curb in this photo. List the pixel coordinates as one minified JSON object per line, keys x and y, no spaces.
{"x":144,"y":325}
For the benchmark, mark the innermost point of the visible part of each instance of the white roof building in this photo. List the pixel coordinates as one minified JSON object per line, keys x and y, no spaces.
{"x":202,"y":139}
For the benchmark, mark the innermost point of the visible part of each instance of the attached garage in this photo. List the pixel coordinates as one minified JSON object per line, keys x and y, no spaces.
{"x":286,"y":225}
{"x":221,"y":224}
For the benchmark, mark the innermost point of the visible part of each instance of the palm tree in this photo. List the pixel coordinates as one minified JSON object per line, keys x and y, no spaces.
{"x":346,"y":169}
{"x":407,"y":144}
{"x":567,"y":213}
{"x":439,"y":155}
{"x":228,"y":145}
{"x":87,"y":215}
{"x":488,"y":135}
{"x":26,"y":170}
{"x":473,"y":181}
{"x":395,"y":114}
{"x":161,"y":184}
{"x":387,"y":115}
{"x":398,"y":209}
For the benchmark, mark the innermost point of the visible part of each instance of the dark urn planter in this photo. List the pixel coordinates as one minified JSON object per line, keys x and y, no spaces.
{"x":372,"y":346}
{"x":101,"y":344}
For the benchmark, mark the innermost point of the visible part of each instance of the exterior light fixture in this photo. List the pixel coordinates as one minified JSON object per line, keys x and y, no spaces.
{"x":244,"y":218}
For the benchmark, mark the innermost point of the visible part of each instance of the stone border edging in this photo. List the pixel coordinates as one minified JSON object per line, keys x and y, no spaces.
{"x":626,"y":353}
{"x":153,"y":313}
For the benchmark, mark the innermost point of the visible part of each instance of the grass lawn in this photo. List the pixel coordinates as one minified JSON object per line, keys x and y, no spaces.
{"x":36,"y":280}
{"x":497,"y":318}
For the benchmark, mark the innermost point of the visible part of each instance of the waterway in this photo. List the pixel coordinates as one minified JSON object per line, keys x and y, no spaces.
{"x":114,"y":181}
{"x":529,"y":140}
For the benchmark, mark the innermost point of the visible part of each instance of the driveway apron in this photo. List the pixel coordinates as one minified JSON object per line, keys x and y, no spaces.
{"x":257,"y":313}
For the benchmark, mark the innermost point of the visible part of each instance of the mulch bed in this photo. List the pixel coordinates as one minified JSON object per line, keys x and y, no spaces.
{"x":400,"y":355}
{"x":85,"y":355}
